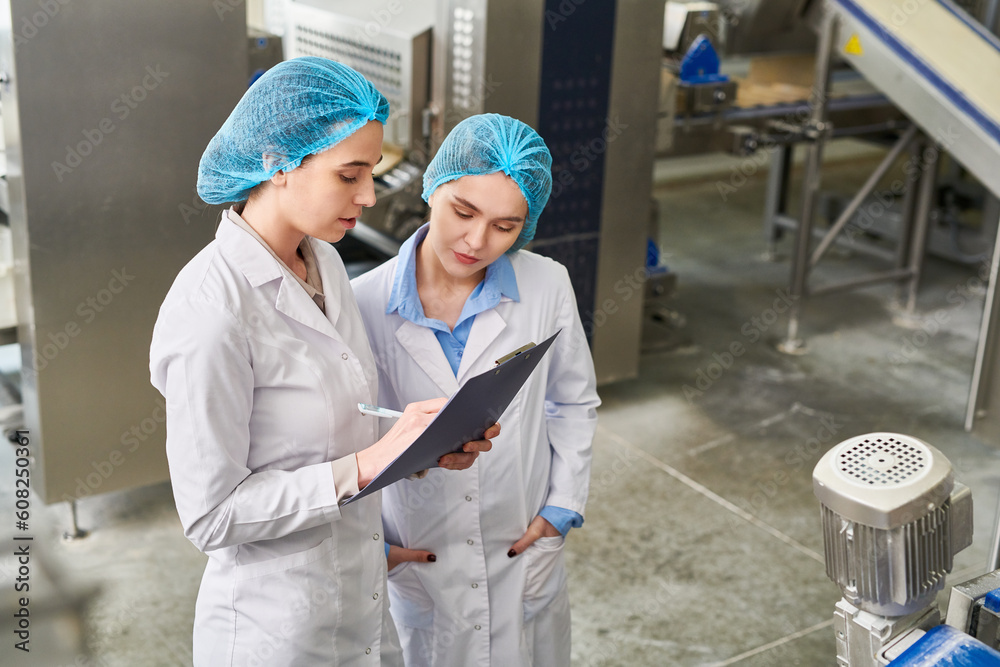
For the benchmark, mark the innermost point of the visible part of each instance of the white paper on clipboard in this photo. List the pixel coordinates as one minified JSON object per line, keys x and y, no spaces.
{"x":466,"y":416}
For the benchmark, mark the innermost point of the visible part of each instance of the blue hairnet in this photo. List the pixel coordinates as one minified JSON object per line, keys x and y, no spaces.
{"x":298,"y":107}
{"x":488,"y":143}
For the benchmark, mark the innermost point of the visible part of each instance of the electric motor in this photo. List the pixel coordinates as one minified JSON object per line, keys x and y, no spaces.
{"x":893,"y":519}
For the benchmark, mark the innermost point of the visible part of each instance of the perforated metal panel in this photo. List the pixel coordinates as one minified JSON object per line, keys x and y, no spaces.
{"x":883,"y":462}
{"x":464,"y":94}
{"x":382,"y":66}
{"x":389,"y":45}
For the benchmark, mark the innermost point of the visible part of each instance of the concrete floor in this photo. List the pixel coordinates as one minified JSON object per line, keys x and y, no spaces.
{"x":702,"y":544}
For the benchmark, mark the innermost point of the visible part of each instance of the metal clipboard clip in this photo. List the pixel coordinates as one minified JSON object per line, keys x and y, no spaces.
{"x":508,"y":357}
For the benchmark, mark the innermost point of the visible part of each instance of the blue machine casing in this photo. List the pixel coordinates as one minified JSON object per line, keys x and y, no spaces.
{"x":944,"y":646}
{"x":701,"y":63}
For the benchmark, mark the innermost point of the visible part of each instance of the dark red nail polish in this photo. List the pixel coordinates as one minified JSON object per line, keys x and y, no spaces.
{"x":432,"y":558}
{"x":511,"y":553}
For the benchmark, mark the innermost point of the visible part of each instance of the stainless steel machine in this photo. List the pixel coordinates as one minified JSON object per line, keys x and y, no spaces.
{"x":583,"y":74}
{"x":106,"y":109}
{"x":893,"y":518}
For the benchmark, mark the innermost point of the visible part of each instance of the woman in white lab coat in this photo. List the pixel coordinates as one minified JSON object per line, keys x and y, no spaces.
{"x":261,"y":355}
{"x":459,"y":296}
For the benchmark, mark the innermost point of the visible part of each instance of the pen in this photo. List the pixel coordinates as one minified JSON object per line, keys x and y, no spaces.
{"x":376,"y":411}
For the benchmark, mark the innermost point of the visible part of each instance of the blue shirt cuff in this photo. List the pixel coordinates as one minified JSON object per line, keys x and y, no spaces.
{"x":386,"y":549}
{"x":562,"y":519}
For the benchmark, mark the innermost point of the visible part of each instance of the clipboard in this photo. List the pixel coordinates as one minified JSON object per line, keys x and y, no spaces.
{"x":466,"y":416}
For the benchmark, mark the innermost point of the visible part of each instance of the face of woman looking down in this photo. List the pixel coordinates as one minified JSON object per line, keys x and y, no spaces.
{"x":474,"y":220}
{"x":324,"y":197}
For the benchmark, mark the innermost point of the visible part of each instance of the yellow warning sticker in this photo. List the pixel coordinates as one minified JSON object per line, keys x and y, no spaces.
{"x":853,"y":46}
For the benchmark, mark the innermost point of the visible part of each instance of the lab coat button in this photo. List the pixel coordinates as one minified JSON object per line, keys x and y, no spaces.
{"x":375,"y":597}
{"x":470,"y":542}
{"x":469,"y":498}
{"x":375,"y":536}
{"x":368,"y":651}
{"x":475,"y":585}
{"x":344,"y":356}
{"x":479,"y":627}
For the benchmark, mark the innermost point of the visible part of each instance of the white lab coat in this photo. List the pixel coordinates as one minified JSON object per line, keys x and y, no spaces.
{"x":261,"y":394}
{"x":475,"y":605}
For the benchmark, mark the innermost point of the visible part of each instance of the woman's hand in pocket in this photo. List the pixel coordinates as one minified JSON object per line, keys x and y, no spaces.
{"x":399,"y":555}
{"x":538,"y":527}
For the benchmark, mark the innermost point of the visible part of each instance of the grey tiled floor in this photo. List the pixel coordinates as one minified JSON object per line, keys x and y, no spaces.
{"x":702,"y":542}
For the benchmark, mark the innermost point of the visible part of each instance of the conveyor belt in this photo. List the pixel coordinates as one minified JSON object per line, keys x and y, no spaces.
{"x":938,"y":66}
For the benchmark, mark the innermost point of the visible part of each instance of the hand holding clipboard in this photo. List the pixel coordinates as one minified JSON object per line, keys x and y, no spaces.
{"x":475,"y":407}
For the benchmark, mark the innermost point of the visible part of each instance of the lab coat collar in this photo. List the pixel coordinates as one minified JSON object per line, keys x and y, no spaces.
{"x":260,"y":268}
{"x":423,"y":346}
{"x":487,"y":326}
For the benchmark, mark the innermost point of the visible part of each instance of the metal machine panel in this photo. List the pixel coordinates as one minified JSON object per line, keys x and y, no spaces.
{"x":107,"y":108}
{"x":390,"y":45}
{"x":474,"y":68}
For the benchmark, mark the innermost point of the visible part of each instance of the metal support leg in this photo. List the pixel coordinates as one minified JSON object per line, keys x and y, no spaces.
{"x":982,"y":396}
{"x":906,"y":219}
{"x":992,"y":18}
{"x":817,"y":127}
{"x":74,"y":533}
{"x":776,"y":200}
{"x":994,"y":561}
{"x":887,"y":162}
{"x":925,"y":200}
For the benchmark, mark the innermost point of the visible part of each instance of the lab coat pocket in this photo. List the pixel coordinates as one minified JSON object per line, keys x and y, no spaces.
{"x":290,"y":602}
{"x":545,"y":574}
{"x":409,"y":603}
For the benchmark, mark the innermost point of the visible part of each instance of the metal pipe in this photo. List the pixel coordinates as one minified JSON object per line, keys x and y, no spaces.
{"x":925,"y":197}
{"x":811,"y":180}
{"x":994,"y":562}
{"x":887,"y":162}
{"x":871,"y":279}
{"x":906,"y":219}
{"x":74,"y":533}
{"x":776,"y":200}
{"x":861,"y":248}
{"x":992,"y":17}
{"x":982,"y":370}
